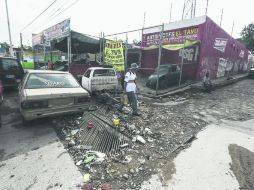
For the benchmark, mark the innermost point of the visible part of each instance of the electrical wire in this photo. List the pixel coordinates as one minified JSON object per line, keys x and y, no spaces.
{"x":38,"y":15}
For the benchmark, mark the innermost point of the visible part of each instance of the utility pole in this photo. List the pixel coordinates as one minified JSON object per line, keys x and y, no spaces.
{"x":170,"y":12}
{"x":183,"y":9}
{"x":221,"y":16}
{"x":233,"y":28}
{"x":9,"y":28}
{"x":144,"y":21}
{"x":195,"y":5}
{"x":21,"y":48}
{"x":207,"y":3}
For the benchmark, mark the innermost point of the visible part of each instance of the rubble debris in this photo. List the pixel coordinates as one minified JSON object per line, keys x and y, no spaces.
{"x":88,"y":186}
{"x":71,"y":143}
{"x":106,"y":187}
{"x":90,"y":125}
{"x":100,"y":157}
{"x":124,"y":145}
{"x":86,"y":178}
{"x":148,"y":131}
{"x":74,"y":132}
{"x":140,"y":139}
{"x":134,"y":150}
{"x":89,"y":159}
{"x":83,"y":147}
{"x":79,"y":163}
{"x":126,"y":176}
{"x":132,"y":171}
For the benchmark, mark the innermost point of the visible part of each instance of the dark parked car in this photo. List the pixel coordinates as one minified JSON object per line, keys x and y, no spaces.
{"x":251,"y":73}
{"x":11,"y":72}
{"x":169,"y":75}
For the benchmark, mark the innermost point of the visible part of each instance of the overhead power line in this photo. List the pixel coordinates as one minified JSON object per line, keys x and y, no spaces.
{"x":38,"y":15}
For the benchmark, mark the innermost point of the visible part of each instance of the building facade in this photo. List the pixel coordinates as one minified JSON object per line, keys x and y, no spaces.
{"x":214,"y":50}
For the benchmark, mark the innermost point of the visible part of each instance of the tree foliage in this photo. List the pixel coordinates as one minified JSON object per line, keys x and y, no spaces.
{"x":248,"y":36}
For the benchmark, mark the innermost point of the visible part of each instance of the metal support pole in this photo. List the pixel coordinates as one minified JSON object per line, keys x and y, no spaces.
{"x":44,"y":53}
{"x":181,"y":72}
{"x":21,"y":48}
{"x":221,"y":16}
{"x":183,"y":9}
{"x":126,"y":54}
{"x":103,"y":46}
{"x":170,"y":12}
{"x":100,"y":46}
{"x":9,"y":28}
{"x":69,"y":50}
{"x":159,"y":57}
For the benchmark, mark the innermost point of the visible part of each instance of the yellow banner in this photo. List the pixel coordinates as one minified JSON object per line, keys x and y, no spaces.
{"x":114,"y":54}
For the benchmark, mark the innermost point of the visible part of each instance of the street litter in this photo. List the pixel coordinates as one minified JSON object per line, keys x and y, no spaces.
{"x":98,"y":156}
{"x":140,"y":139}
{"x":94,"y":157}
{"x":90,"y":125}
{"x":148,"y":131}
{"x":79,"y":163}
{"x":72,"y":143}
{"x":124,"y":145}
{"x":83,"y":147}
{"x":74,"y":132}
{"x":86,"y":178}
{"x":89,"y":159}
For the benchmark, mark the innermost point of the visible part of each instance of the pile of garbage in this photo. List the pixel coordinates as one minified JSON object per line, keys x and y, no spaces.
{"x":153,"y":139}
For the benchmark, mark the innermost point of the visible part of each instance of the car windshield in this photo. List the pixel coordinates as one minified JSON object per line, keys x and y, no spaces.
{"x":104,"y":72}
{"x":162,"y":69}
{"x":10,"y":64}
{"x":51,"y":80}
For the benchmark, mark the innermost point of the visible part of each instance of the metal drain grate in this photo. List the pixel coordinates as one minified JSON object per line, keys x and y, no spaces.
{"x":102,"y":137}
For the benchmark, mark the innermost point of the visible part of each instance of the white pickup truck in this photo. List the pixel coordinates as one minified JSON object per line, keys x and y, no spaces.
{"x":97,"y":79}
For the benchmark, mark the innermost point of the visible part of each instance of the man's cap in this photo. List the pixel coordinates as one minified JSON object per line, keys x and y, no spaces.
{"x":134,"y":66}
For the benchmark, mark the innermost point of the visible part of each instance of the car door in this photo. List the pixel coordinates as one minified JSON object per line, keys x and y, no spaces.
{"x":86,"y":80}
{"x":21,"y":88}
{"x":11,"y":72}
{"x":174,"y":75}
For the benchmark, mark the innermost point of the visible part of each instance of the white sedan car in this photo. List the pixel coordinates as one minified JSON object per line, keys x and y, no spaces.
{"x":50,"y":93}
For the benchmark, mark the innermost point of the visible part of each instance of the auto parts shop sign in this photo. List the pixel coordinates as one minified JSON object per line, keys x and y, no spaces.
{"x":114,"y":54}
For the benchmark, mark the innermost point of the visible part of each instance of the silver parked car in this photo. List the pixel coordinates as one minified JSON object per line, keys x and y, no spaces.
{"x":49,"y":93}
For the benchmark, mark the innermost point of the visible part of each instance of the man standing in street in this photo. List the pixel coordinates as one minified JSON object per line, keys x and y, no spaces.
{"x":130,"y":88}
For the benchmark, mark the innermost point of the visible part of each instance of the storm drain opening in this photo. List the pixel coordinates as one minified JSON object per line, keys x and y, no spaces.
{"x":101,"y":136}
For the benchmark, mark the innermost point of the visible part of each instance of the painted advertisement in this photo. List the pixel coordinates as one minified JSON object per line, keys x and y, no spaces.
{"x":114,"y":54}
{"x":222,"y":67}
{"x":59,"y":30}
{"x":189,"y":54}
{"x":220,"y":44}
{"x":172,"y":37}
{"x":37,"y":39}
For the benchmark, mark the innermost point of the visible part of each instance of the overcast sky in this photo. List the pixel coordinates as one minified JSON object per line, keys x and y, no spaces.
{"x":112,"y":16}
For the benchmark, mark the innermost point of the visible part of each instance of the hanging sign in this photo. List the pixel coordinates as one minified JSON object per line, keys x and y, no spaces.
{"x":114,"y":54}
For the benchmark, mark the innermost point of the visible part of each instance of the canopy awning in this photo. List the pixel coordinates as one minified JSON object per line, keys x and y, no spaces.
{"x":80,"y":43}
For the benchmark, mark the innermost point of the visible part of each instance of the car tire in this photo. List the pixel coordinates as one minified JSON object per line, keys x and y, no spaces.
{"x":163,"y":84}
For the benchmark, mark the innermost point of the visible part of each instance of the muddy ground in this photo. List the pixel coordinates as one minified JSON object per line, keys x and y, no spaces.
{"x":167,"y":125}
{"x":242,"y":166}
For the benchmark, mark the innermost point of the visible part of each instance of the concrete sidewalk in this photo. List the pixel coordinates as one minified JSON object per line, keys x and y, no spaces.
{"x":217,"y":83}
{"x":220,"y":82}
